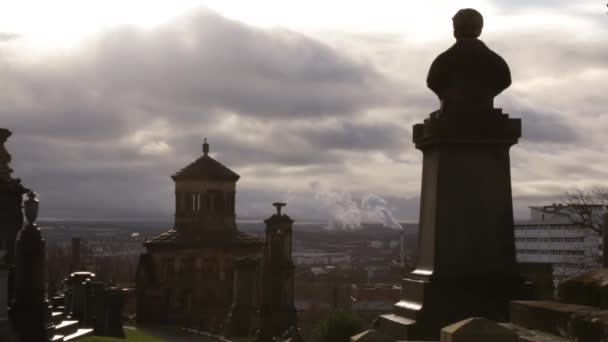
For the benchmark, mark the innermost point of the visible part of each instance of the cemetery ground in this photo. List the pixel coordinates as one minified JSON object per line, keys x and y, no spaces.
{"x":131,"y":335}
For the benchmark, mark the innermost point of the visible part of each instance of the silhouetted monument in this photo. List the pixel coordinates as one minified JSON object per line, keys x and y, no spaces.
{"x":277,"y":313}
{"x":466,"y":251}
{"x":186,"y":276}
{"x":31,"y":307}
{"x":241,"y":319}
{"x":11,"y":215}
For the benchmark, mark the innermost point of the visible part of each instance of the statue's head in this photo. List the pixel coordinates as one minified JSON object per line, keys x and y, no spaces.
{"x":467,"y":23}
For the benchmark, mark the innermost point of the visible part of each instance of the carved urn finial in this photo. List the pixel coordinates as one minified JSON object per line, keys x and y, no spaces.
{"x":5,"y":157}
{"x":279,"y":206}
{"x":31,"y":209}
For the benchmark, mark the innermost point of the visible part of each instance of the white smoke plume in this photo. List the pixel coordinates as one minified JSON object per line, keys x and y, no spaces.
{"x":346,"y":213}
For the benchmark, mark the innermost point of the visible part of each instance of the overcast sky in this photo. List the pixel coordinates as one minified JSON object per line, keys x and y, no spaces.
{"x":107,"y":99}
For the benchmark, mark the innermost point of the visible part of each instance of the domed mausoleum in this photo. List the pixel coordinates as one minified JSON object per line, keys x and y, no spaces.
{"x":186,"y":276}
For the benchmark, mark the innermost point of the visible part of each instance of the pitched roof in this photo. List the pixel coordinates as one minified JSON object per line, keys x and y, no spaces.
{"x":213,"y":239}
{"x":206,"y":167}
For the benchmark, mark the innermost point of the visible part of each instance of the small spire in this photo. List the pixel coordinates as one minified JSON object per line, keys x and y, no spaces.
{"x":205,"y":147}
{"x":279,"y":205}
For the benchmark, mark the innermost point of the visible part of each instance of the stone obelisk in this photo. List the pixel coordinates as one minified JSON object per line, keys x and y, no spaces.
{"x":466,"y":250}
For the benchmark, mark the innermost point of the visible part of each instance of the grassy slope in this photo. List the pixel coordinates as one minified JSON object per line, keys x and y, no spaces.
{"x":131,"y":336}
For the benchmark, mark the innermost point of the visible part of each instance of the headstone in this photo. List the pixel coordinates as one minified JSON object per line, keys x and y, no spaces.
{"x":77,"y":283}
{"x":244,"y":304}
{"x":93,"y":299}
{"x":466,"y":263}
{"x":31,"y":306}
{"x":113,"y":316}
{"x":371,"y":336}
{"x":477,"y":329}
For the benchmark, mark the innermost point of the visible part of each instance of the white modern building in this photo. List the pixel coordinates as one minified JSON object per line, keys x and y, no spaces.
{"x":550,"y":237}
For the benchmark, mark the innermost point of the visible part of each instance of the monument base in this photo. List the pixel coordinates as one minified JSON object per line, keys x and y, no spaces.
{"x":466,"y":264}
{"x":430,"y":303}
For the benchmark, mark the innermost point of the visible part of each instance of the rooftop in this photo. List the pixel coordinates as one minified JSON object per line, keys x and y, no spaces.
{"x":227,"y":239}
{"x":207,"y":168}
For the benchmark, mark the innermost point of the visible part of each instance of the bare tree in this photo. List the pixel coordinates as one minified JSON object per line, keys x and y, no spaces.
{"x":586,"y":207}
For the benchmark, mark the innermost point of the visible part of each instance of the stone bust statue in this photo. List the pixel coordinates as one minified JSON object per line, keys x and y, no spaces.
{"x":468,"y":75}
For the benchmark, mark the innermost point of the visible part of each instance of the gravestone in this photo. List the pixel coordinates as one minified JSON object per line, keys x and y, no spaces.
{"x":77,"y":283}
{"x":31,"y":307}
{"x":466,"y":250}
{"x":244,"y":305}
{"x":477,"y":329}
{"x":114,"y":302}
{"x":93,"y":299}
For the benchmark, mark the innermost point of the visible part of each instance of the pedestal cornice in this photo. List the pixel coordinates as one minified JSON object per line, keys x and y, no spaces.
{"x":487,"y":128}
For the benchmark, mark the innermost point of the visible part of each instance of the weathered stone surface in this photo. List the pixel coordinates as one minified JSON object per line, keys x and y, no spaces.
{"x":551,"y":317}
{"x":477,"y":329}
{"x":371,"y":336}
{"x":589,"y":288}
{"x":527,"y":335}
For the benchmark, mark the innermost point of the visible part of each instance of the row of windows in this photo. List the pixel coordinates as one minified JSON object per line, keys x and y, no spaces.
{"x":551,"y":239}
{"x":210,"y":201}
{"x":546,"y":226}
{"x":569,"y":265}
{"x":551,"y":251}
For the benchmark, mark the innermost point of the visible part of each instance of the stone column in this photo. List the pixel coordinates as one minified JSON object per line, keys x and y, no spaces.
{"x":466,"y":250}
{"x":31,"y":305}
{"x":244,"y":304}
{"x":277,"y":313}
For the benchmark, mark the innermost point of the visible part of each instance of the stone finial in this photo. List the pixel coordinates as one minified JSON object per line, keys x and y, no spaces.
{"x":477,"y":329}
{"x":31,"y":209}
{"x":5,"y":157}
{"x":205,"y":147}
{"x":279,"y":206}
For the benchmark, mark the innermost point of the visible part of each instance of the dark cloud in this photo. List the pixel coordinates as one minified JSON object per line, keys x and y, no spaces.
{"x":86,"y":121}
{"x":547,"y":127}
{"x":356,"y":136}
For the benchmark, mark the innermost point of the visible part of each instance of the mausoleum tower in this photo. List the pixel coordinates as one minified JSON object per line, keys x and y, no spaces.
{"x":205,"y":196}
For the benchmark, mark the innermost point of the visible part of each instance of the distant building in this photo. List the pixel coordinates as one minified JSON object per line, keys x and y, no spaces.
{"x":371,"y":300}
{"x":320,"y":258}
{"x":186,"y":276}
{"x":550,"y":237}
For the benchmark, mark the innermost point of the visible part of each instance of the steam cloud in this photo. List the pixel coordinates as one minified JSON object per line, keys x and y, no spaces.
{"x":347,"y":213}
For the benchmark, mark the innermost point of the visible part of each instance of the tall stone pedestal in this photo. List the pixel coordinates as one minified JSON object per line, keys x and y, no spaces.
{"x":466,"y":249}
